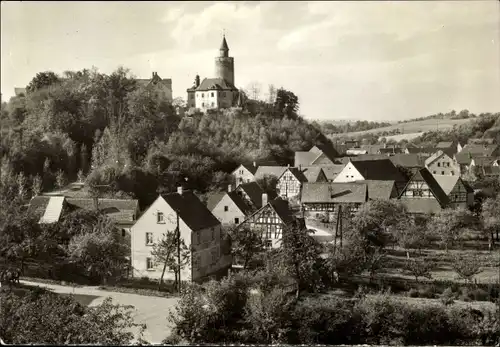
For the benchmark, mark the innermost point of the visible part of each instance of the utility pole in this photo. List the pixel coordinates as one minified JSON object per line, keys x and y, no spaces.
{"x":178,"y":251}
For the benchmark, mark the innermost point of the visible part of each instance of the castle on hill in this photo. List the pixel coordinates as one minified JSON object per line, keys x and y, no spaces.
{"x":218,"y":92}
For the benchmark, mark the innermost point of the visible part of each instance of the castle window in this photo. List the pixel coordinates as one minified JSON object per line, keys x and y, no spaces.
{"x":212,"y":104}
{"x":212,"y":94}
{"x":202,"y":95}
{"x":202,"y":104}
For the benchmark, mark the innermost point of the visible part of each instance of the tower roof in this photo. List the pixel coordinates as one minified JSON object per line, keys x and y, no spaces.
{"x":224,"y":46}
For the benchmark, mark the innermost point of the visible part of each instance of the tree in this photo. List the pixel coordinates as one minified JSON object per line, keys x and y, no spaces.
{"x":36,"y":186}
{"x":268,"y":184}
{"x":419,"y":268}
{"x":100,"y":251}
{"x":466,"y":267}
{"x":42,"y":80}
{"x":254,"y":89}
{"x":286,"y":104}
{"x":300,"y":254}
{"x":48,"y":318}
{"x":60,"y":179}
{"x":490,"y":218}
{"x":271,"y":94}
{"x":245,"y":243}
{"x":165,"y":251}
{"x":449,"y":224}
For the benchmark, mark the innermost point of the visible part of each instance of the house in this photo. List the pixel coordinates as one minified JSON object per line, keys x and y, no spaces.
{"x":426,"y":151}
{"x":463,"y":160}
{"x":378,"y":170}
{"x":490,"y":171}
{"x":319,"y":155}
{"x":252,"y":193}
{"x":271,"y":219}
{"x":481,"y":150}
{"x":122,"y":212}
{"x":332,"y":171}
{"x":459,"y":193}
{"x":290,"y":182}
{"x":423,"y":194}
{"x":245,"y":173}
{"x":483,"y":161}
{"x":441,"y":163}
{"x":351,"y":143}
{"x":390,"y":150}
{"x":380,"y":190}
{"x":450,"y":147}
{"x":156,"y":84}
{"x":372,"y":149}
{"x":19,"y":92}
{"x":232,"y":209}
{"x":198,"y":228}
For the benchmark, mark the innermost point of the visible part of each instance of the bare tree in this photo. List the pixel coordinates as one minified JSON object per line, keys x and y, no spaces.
{"x":271,"y":94}
{"x":254,"y":89}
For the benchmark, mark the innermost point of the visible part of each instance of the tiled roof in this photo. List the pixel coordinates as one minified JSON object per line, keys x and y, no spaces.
{"x":312,"y":173}
{"x":251,"y":168}
{"x":144,"y":82}
{"x":329,"y":150}
{"x":119,"y":210}
{"x":424,"y":150}
{"x":380,"y":190}
{"x":479,"y":150}
{"x":322,"y":160}
{"x":240,"y":203}
{"x":191,"y":210}
{"x":383,"y":170}
{"x":390,"y":150}
{"x":334,"y":193}
{"x":297,"y":174}
{"x":332,"y":171}
{"x":213,"y":199}
{"x":254,"y":192}
{"x":491,"y":170}
{"x":407,"y":160}
{"x":372,"y":149}
{"x":215,"y":84}
{"x":305,"y":158}
{"x":315,"y":149}
{"x":445,"y":144}
{"x":484,"y":161}
{"x":282,"y":210}
{"x":463,"y":158}
{"x":446,"y":182}
{"x":270,"y":170}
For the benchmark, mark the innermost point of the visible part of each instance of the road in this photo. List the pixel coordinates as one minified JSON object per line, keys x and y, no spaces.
{"x":149,"y":310}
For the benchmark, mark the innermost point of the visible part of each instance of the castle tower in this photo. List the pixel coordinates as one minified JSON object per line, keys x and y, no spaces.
{"x":224,"y":64}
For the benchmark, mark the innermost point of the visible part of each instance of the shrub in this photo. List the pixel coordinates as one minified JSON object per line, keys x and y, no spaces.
{"x":413,"y":293}
{"x":448,"y":297}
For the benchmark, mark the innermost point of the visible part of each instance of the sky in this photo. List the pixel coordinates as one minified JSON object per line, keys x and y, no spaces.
{"x":365,"y":60}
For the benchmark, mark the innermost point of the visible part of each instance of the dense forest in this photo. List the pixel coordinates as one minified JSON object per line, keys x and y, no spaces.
{"x":328,"y":128}
{"x":117,"y":133}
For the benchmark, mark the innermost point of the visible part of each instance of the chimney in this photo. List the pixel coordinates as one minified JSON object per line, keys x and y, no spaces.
{"x":154,"y":74}
{"x":197,"y":81}
{"x":229,"y":188}
{"x":254,"y":164}
{"x":264,"y":199}
{"x":288,"y":165}
{"x":300,"y":167}
{"x":179,"y":190}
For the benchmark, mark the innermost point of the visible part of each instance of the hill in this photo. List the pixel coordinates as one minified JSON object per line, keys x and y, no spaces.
{"x":409,"y":128}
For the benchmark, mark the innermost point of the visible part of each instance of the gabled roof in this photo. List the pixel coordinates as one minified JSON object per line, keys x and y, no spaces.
{"x":435,"y":156}
{"x":145,"y":82}
{"x":425,"y":176}
{"x":407,"y":160}
{"x":312,"y":173}
{"x":463,"y":158}
{"x":446,"y":144}
{"x":479,"y":149}
{"x":446,"y":182}
{"x":213,"y":199}
{"x":424,"y":150}
{"x":281,"y":208}
{"x":296,"y":173}
{"x":270,"y":170}
{"x":332,"y":171}
{"x":191,"y":210}
{"x":122,"y":211}
{"x":334,"y":192}
{"x":254,"y":192}
{"x":383,"y":170}
{"x":249,"y":167}
{"x":322,"y":160}
{"x":483,"y":161}
{"x":389,"y":150}
{"x":305,"y":158}
{"x":380,"y":190}
{"x":240,"y":203}
{"x":491,"y":170}
{"x":215,"y":84}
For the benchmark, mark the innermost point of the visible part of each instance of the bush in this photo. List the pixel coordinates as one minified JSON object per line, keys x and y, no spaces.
{"x":448,"y":297}
{"x":413,"y":293}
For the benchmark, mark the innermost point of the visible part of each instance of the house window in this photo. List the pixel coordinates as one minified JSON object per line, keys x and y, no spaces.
{"x":124,"y":232}
{"x":214,"y":256}
{"x":202,"y":104}
{"x":150,"y":264}
{"x":213,"y":233}
{"x":442,"y":172}
{"x":439,"y":164}
{"x":269,"y":243}
{"x":159,"y":218}
{"x":434,"y":172}
{"x":212,"y":94}
{"x":213,"y":104}
{"x":236,"y":221}
{"x":226,"y":208}
{"x":453,"y":173}
{"x":149,"y":239}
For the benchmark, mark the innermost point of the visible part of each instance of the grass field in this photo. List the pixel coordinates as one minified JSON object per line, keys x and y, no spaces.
{"x":412,"y":128}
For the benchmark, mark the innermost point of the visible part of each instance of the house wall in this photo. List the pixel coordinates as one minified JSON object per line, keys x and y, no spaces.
{"x":228,"y":217}
{"x":242,"y":175}
{"x":206,"y":99}
{"x":288,"y":185}
{"x":203,"y":246}
{"x":226,"y":98}
{"x":459,"y":196}
{"x":269,"y":224}
{"x":444,"y":165}
{"x":191,"y":99}
{"x":349,"y":174}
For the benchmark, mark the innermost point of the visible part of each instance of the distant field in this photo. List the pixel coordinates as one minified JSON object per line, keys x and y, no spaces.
{"x":397,"y":138}
{"x":412,"y":128}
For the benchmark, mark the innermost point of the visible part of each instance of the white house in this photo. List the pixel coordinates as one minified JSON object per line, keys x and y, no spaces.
{"x":199,"y":229}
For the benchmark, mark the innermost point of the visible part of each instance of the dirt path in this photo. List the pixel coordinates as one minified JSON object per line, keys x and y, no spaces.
{"x":149,"y":310}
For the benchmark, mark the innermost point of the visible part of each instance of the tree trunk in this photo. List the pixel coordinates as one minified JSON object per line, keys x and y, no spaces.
{"x":162,"y":274}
